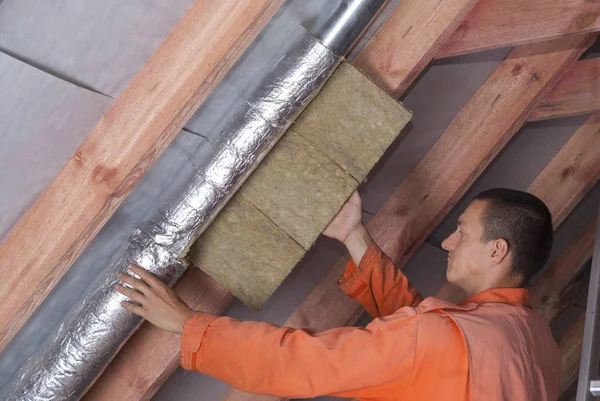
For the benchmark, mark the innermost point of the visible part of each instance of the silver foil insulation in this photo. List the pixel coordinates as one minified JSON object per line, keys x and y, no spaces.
{"x":96,"y":329}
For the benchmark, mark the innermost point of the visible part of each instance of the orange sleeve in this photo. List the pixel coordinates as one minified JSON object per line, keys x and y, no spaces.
{"x":377,"y":284}
{"x":260,"y":358}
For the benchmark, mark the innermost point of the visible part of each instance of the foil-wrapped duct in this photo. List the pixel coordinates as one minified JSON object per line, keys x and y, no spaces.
{"x":96,"y":330}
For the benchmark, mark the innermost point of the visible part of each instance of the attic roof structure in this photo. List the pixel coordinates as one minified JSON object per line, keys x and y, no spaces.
{"x":108,"y":106}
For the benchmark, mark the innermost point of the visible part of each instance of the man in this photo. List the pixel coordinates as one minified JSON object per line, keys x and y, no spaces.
{"x":492,"y":346}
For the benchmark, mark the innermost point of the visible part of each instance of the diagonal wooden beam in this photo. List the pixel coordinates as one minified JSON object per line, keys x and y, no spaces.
{"x":463,"y":151}
{"x":577,"y":93}
{"x":493,"y":24}
{"x":408,"y":41}
{"x":572,"y":172}
{"x":121,"y":148}
{"x":563,"y":182}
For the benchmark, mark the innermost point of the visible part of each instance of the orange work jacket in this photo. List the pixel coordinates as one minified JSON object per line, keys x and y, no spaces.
{"x":491,"y":347}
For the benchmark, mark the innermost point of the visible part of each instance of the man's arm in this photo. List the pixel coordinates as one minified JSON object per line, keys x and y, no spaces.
{"x":375,"y":361}
{"x":261,"y":358}
{"x":370,"y":277}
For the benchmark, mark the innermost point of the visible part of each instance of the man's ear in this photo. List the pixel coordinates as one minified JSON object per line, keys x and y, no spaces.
{"x":499,"y":250}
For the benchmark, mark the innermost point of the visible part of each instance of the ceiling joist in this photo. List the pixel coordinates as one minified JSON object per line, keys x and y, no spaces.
{"x":570,"y":344}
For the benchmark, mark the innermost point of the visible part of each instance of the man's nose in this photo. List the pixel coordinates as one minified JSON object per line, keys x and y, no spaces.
{"x":449,"y":243}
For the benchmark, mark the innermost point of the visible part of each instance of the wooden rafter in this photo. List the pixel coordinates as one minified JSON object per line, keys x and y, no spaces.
{"x":493,"y":24}
{"x":408,"y":40}
{"x":577,"y":165}
{"x":121,"y":148}
{"x":480,"y":130}
{"x":577,"y":93}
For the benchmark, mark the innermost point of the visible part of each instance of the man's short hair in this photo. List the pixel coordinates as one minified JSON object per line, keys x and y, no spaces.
{"x":524,"y":222}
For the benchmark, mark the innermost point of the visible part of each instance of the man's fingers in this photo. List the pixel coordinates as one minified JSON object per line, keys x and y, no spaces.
{"x":146,"y":275}
{"x":134,"y":282}
{"x":131,"y":294}
{"x":138,"y":310}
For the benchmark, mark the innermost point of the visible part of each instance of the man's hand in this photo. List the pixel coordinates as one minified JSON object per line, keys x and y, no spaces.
{"x":347,"y":221}
{"x":348,"y":228}
{"x":159,"y":304}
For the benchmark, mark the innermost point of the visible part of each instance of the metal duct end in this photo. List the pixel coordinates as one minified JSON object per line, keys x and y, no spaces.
{"x":342,"y":31}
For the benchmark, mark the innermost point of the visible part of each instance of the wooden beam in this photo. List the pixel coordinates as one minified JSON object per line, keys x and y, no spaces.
{"x":463,"y":151}
{"x":577,"y":93}
{"x":570,"y":350}
{"x":121,"y":148}
{"x":151,"y":355}
{"x":572,"y":172}
{"x":408,"y":40}
{"x":494,"y":24}
{"x":561,"y":185}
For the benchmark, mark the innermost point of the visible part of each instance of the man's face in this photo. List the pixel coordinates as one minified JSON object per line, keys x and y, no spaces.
{"x":468,"y":256}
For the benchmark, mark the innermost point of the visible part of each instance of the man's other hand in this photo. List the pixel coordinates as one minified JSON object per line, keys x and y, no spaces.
{"x":157,"y":302}
{"x":347,"y":221}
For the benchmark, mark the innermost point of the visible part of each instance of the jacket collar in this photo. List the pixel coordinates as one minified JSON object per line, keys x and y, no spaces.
{"x":512,"y":296}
